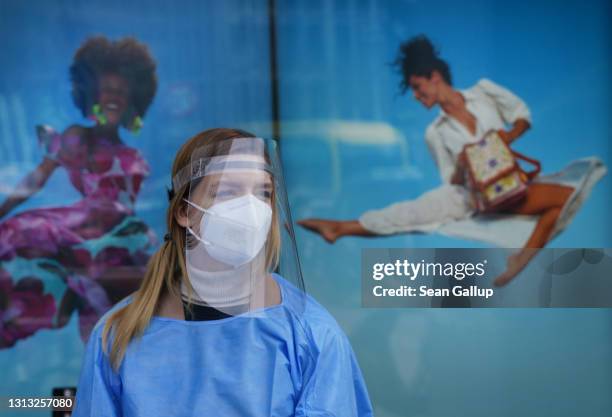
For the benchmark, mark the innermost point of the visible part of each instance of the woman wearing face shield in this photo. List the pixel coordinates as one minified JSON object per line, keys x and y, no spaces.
{"x":221,"y":325}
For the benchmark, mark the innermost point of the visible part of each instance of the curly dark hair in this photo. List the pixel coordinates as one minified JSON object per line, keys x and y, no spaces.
{"x":417,"y":56}
{"x":125,"y":57}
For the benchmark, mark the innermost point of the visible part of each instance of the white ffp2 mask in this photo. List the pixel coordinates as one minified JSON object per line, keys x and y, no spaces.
{"x":234,"y":231}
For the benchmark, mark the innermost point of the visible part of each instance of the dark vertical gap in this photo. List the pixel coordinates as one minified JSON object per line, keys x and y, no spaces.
{"x":274,"y":70}
{"x":276,"y":130}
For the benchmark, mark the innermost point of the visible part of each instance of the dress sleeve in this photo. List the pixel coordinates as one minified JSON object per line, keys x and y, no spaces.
{"x":333,"y":385}
{"x":442,"y":157}
{"x":508,"y":104}
{"x":99,"y":387}
{"x":64,"y":148}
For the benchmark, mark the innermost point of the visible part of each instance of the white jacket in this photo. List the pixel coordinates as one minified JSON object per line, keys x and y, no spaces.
{"x":493,"y":107}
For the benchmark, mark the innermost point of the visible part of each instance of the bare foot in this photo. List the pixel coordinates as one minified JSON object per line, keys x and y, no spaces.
{"x":328,"y":229}
{"x":515,"y":264}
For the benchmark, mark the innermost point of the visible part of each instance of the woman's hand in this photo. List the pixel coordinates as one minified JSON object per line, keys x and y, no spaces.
{"x":505,"y":136}
{"x":519,"y":127}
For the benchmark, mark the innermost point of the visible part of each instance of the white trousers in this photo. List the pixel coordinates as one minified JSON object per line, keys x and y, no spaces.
{"x":426,"y":213}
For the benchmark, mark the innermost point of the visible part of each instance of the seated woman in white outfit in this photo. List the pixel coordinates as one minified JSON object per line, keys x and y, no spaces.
{"x":464,"y":118}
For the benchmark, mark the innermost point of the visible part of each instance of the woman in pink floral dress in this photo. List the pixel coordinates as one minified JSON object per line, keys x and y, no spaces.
{"x":97,"y":245}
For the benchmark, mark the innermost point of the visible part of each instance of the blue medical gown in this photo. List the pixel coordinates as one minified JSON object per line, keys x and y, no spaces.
{"x":293,"y":361}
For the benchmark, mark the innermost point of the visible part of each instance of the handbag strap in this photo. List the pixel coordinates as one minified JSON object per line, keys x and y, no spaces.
{"x":531,"y":175}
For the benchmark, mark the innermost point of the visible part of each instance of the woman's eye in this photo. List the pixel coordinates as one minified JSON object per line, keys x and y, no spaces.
{"x":227,"y":193}
{"x":264,"y":195}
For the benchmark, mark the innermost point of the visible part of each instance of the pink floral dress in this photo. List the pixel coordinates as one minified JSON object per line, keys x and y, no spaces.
{"x":80,"y":243}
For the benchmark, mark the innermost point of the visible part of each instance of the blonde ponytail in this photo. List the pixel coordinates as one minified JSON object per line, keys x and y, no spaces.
{"x":131,"y":321}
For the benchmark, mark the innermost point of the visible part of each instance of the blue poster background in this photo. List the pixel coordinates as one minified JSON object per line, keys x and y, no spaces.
{"x":350,"y":142}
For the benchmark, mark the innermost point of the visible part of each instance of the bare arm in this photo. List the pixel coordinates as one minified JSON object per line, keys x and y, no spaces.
{"x":36,"y":179}
{"x":519,"y":127}
{"x":29,"y":185}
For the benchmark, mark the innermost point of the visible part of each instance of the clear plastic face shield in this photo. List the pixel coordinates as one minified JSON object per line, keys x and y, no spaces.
{"x":239,"y":227}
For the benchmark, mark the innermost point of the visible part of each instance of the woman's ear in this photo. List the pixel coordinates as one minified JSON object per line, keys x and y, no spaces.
{"x":180,"y":214}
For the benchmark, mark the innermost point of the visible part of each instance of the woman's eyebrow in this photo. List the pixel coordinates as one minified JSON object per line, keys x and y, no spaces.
{"x":233,"y":184}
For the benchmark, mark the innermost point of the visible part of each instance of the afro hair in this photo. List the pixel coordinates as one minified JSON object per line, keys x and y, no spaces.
{"x":125,"y":57}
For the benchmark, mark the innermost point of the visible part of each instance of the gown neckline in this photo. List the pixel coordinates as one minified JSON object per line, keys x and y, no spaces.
{"x":251,"y":314}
